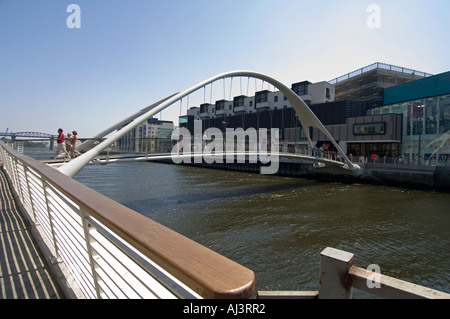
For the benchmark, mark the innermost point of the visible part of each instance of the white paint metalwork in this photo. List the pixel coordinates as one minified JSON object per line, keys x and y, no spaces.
{"x":98,"y":262}
{"x":306,"y":117}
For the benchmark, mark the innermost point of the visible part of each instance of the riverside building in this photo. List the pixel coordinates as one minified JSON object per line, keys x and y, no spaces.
{"x":349,"y":107}
{"x":424,"y":106}
{"x":151,"y":136}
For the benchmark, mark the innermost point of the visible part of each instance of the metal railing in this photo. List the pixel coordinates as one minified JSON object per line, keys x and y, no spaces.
{"x":379,"y":65}
{"x":339,"y":275}
{"x":111,"y":251}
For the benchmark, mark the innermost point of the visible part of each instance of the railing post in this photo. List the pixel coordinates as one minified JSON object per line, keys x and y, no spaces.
{"x":16,"y":178}
{"x":29,"y":193}
{"x":86,"y":228}
{"x":54,"y":259}
{"x":334,"y":268}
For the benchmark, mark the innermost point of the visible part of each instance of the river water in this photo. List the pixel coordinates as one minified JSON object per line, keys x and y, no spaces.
{"x":277,"y":226}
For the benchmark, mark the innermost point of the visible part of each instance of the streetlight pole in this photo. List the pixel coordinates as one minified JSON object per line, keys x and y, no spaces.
{"x":422,"y":108}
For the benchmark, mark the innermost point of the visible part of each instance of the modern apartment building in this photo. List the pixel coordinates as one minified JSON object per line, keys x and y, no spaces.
{"x":265,"y":100}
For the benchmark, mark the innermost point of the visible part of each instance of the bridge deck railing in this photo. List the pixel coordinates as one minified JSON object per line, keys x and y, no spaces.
{"x":110,"y":251}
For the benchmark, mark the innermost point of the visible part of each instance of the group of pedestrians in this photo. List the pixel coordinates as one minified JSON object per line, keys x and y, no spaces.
{"x":67,"y":146}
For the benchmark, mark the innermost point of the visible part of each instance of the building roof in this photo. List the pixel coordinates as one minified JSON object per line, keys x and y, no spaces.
{"x":381,"y":66}
{"x":427,"y":87}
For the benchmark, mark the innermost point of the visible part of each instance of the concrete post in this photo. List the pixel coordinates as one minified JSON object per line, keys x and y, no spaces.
{"x":334,"y":268}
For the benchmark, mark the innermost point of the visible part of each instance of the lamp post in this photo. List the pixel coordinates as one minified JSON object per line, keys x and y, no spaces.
{"x":422,"y":108}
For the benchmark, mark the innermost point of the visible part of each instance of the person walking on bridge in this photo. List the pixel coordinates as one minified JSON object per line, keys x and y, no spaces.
{"x":73,"y":151}
{"x":60,"y":142}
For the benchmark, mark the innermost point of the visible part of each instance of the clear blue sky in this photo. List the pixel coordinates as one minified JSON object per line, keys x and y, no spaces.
{"x":129,"y":54}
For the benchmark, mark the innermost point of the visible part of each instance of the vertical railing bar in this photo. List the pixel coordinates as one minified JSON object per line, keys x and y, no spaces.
{"x":86,"y":226}
{"x":50,"y":221}
{"x":71,"y":253}
{"x":68,"y":222}
{"x":119,"y":285}
{"x":133,"y":274}
{"x":57,"y":193}
{"x":151,"y":269}
{"x":81,"y":272}
{"x":72,"y":243}
{"x":110,"y":260}
{"x":29,"y":193}
{"x":10,"y":168}
{"x":17,"y":178}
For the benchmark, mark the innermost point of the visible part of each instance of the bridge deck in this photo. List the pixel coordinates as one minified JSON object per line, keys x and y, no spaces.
{"x":24,"y":273}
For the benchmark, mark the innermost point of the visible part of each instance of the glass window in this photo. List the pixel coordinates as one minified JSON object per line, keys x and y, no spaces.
{"x":369,"y":128}
{"x":203,"y":108}
{"x":417,"y":117}
{"x":444,"y":114}
{"x":430,"y":115}
{"x":261,"y":97}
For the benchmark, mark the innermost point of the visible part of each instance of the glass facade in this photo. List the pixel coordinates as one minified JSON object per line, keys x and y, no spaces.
{"x":426,"y":129}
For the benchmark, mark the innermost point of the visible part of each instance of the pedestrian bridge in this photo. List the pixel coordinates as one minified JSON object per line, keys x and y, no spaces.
{"x":232,"y":157}
{"x":306,"y":117}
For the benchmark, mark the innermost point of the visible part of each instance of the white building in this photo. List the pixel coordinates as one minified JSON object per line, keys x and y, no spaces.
{"x":311,"y":93}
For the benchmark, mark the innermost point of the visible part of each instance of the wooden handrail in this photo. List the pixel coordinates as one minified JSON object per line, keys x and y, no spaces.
{"x":208,"y":273}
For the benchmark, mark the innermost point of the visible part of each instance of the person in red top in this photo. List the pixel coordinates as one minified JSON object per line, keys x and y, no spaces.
{"x":60,"y":142}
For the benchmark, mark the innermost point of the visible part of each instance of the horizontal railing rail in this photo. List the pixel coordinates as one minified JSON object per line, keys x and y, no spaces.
{"x":339,"y":275}
{"x":112,"y":251}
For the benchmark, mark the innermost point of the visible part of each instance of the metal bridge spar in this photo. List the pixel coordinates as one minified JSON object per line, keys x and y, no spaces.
{"x":306,"y":117}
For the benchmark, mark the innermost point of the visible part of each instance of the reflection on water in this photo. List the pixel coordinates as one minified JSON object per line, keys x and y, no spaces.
{"x":277,"y":226}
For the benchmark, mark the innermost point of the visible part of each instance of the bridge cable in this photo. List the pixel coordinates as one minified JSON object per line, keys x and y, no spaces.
{"x":231,"y":86}
{"x":224,"y":97}
{"x":248,"y":84}
{"x":211,"y":94}
{"x":240,"y":82}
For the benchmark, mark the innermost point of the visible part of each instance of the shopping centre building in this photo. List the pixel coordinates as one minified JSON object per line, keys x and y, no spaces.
{"x":425,"y":109}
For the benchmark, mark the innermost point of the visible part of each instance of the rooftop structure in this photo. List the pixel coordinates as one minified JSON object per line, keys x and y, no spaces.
{"x":367,"y":84}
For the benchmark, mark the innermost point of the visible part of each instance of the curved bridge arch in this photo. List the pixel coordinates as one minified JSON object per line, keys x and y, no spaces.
{"x":306,"y":117}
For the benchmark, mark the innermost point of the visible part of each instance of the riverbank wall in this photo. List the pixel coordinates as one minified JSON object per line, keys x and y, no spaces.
{"x":435,"y":178}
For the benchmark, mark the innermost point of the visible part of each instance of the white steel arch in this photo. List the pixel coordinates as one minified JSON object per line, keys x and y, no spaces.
{"x":306,"y":117}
